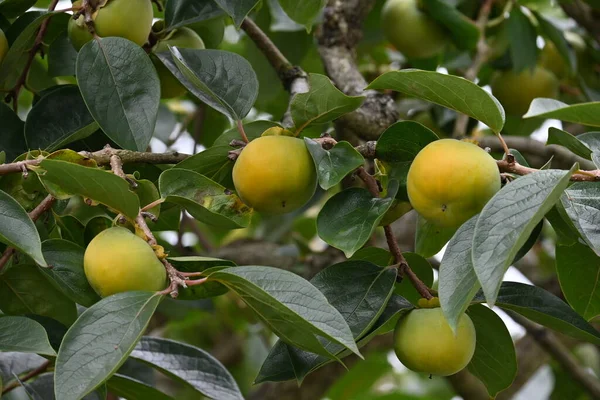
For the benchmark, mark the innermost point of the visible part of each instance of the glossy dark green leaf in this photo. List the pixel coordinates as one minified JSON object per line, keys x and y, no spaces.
{"x":18,"y":230}
{"x":582,"y":204}
{"x":522,"y":37}
{"x":449,"y":91}
{"x":121,"y":89}
{"x":223,"y":80}
{"x":24,"y":335}
{"x":96,"y":184}
{"x":198,"y":264}
{"x":184,"y":12}
{"x":14,"y":8}
{"x":507,"y":221}
{"x":581,"y":113}
{"x":349,"y":218}
{"x":565,"y":139}
{"x":57,"y":119}
{"x":190,"y":365}
{"x":463,"y":31}
{"x":100,"y":341}
{"x":132,"y":389}
{"x":494,"y":361}
{"x":62,"y":57}
{"x":12,"y":131}
{"x":303,"y":12}
{"x":334,"y":164}
{"x":67,"y":274}
{"x":578,"y":269}
{"x":322,"y":103}
{"x":204,"y":199}
{"x":544,"y":308}
{"x":237,"y":9}
{"x":375,"y":255}
{"x":25,"y":290}
{"x":430,"y":238}
{"x":292,"y":307}
{"x":359,"y":290}
{"x":402,"y":141}
{"x":212,"y":163}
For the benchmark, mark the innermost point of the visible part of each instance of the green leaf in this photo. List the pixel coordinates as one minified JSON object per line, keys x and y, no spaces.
{"x":494,"y":361}
{"x":458,"y":283}
{"x":185,"y":12}
{"x":591,"y":140}
{"x":359,"y":290}
{"x":237,"y":9}
{"x":59,"y":118}
{"x":12,"y":133}
{"x":450,"y":91}
{"x":422,"y":269}
{"x":14,"y":8}
{"x":99,"y":342}
{"x":212,"y":163}
{"x":205,"y":200}
{"x":322,"y":103}
{"x":556,"y":36}
{"x":581,"y":113}
{"x":430,"y":238}
{"x":24,"y":335}
{"x":67,"y":274}
{"x":131,"y":389}
{"x":544,"y":308}
{"x":582,"y":204}
{"x":375,"y":255}
{"x":464,"y":32}
{"x":189,"y":365}
{"x":292,"y":308}
{"x":121,"y":89}
{"x":16,"y":58}
{"x":578,"y":269}
{"x":25,"y":290}
{"x":42,"y":388}
{"x":522,"y":37}
{"x":96,"y":184}
{"x":565,"y":139}
{"x":62,"y":57}
{"x":253,"y":130}
{"x":349,"y":218}
{"x":303,"y":12}
{"x":18,"y":230}
{"x":198,"y":264}
{"x":507,"y":221}
{"x":223,"y":80}
{"x":334,"y":164}
{"x":402,"y":141}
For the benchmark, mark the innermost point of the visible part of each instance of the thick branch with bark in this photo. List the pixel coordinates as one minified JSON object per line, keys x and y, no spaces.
{"x":340,"y":32}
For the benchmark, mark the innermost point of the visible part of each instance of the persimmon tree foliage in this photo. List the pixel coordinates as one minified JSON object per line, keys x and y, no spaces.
{"x":335,"y":149}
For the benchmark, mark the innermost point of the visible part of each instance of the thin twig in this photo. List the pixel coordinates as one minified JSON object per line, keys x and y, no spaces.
{"x":401,"y":263}
{"x":152,"y":205}
{"x":175,"y":278}
{"x":240,"y":128}
{"x":14,"y":92}
{"x":481,"y":56}
{"x":35,"y":214}
{"x":549,"y":342}
{"x":31,"y":374}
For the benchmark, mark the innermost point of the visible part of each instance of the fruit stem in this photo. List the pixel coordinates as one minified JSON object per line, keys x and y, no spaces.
{"x":152,"y":205}
{"x":240,"y":128}
{"x":401,"y":264}
{"x":176,"y":278}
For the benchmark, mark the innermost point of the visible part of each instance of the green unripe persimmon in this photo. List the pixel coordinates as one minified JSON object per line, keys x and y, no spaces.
{"x":411,"y":31}
{"x":275,"y":174}
{"x":450,"y":180}
{"x":3,"y":45}
{"x":118,"y":261}
{"x":424,"y":342}
{"x":129,"y":19}
{"x":184,"y":38}
{"x":516,"y":90}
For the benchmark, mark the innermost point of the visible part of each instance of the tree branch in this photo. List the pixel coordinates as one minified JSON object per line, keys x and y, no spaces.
{"x":585,"y":16}
{"x":35,"y":214}
{"x":548,"y":341}
{"x":31,"y":374}
{"x":337,"y":37}
{"x":462,"y":120}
